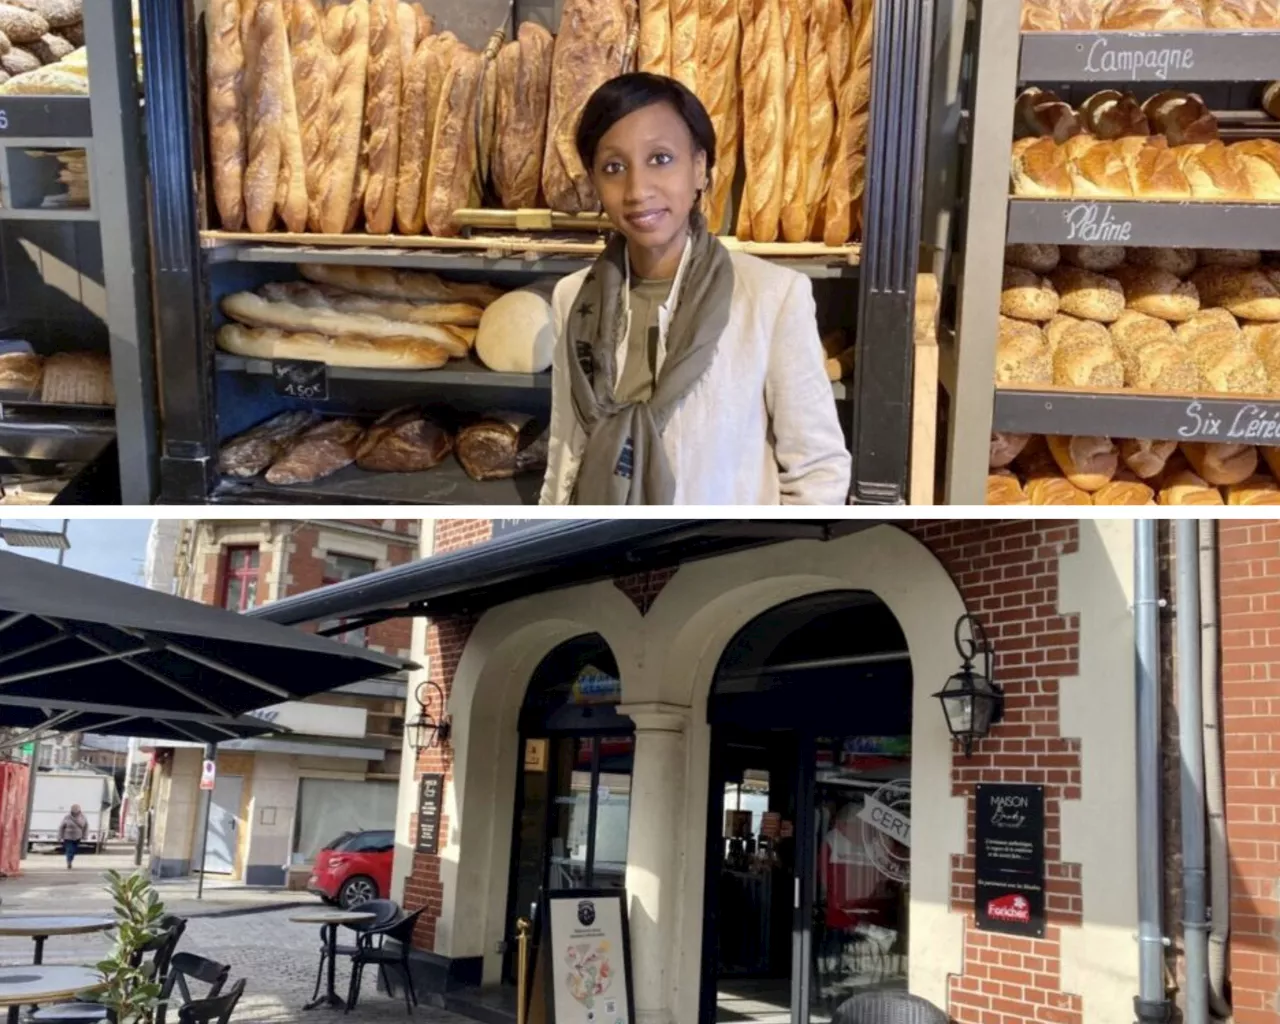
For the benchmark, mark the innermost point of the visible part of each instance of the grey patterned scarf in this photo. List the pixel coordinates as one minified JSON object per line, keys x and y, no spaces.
{"x":624,"y":462}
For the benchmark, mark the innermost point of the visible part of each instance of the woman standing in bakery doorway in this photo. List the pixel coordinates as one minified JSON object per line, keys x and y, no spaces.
{"x":683,"y":373}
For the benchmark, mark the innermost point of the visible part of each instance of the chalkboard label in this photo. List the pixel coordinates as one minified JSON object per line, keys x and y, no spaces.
{"x":1248,"y":422}
{"x":1009,"y":890}
{"x":430,"y":793}
{"x":298,"y":378}
{"x":45,"y":117}
{"x":1137,"y":61}
{"x":1149,"y":56}
{"x":1093,"y":224}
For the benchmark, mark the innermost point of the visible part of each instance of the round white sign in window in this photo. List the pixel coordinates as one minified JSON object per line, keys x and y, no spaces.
{"x":886,"y":829}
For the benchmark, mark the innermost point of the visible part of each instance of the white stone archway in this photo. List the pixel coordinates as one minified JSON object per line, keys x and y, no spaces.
{"x":501,"y":654}
{"x":694,"y":618}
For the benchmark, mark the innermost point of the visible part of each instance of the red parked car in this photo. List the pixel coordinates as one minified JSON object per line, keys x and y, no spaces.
{"x":354,"y":868}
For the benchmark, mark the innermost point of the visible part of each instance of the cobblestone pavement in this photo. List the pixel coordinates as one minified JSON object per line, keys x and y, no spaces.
{"x":279,"y":959}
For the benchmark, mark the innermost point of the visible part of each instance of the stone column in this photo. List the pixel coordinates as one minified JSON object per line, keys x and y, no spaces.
{"x":654,"y":848}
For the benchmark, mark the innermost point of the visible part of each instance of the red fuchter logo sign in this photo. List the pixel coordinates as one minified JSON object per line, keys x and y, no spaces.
{"x":1010,"y":908}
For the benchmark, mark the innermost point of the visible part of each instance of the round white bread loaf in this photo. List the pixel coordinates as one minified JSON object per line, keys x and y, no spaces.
{"x":516,"y":334}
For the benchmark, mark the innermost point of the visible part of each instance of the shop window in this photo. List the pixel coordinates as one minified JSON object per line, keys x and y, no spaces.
{"x":331,"y":808}
{"x":240,"y":578}
{"x":339,"y":569}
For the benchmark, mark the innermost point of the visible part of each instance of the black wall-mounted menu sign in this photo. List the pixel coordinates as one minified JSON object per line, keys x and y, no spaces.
{"x":45,"y":117}
{"x":300,"y":378}
{"x":501,"y":527}
{"x":1009,"y":894}
{"x":430,"y":794}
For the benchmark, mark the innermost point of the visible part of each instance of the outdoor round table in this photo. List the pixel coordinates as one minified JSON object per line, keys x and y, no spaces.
{"x":38,"y":984}
{"x":41,"y":926}
{"x":330,"y":919}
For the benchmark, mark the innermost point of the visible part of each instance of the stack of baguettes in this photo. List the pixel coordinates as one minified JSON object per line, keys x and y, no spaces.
{"x":1148,"y":15}
{"x":322,"y":115}
{"x":1113,"y":147}
{"x":788,"y":85}
{"x":1032,"y":470}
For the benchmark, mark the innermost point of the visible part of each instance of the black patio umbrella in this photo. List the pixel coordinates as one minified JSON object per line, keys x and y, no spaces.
{"x":72,"y":641}
{"x":47,"y":720}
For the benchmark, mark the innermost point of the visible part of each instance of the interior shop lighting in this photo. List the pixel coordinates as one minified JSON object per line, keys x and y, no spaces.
{"x":426,"y":731}
{"x":971,"y":701}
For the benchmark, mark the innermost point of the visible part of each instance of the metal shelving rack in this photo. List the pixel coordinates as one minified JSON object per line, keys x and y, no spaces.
{"x":1006,"y":58}
{"x":191,"y":263}
{"x":112,"y":286}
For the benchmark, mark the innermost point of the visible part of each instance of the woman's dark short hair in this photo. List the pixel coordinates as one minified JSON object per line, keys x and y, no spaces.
{"x":626,"y":94}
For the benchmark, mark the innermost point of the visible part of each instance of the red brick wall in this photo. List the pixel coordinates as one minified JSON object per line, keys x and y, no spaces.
{"x":456,"y":534}
{"x":1007,"y":573}
{"x":1249,"y":582}
{"x":644,"y":587}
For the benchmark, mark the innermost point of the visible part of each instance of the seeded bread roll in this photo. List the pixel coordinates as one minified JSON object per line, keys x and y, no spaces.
{"x":1147,"y":459}
{"x":1098,"y":258}
{"x":21,"y":26}
{"x":20,"y":61}
{"x":1003,"y":488}
{"x":1228,"y":365}
{"x":1248,"y":294}
{"x":1179,"y":262}
{"x":1087,"y":361}
{"x":1158,"y":293}
{"x":1057,"y":330}
{"x":1088,"y":295}
{"x":1023,"y":359}
{"x":1040,"y":259}
{"x":1207,"y":320}
{"x":1241,"y":259}
{"x":1133,"y":329}
{"x":1222,"y":464}
{"x":1026,"y":296}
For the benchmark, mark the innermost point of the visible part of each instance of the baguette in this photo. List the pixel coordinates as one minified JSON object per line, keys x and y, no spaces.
{"x":409,"y":285}
{"x":764,"y":120}
{"x":414,"y":142}
{"x":314,"y":72}
{"x":382,"y":117}
{"x":319,"y":296}
{"x":655,"y":37}
{"x":451,"y":176}
{"x":265,"y":165}
{"x":488,"y":114}
{"x":391,"y":353}
{"x":291,"y":190}
{"x":439,"y":60}
{"x":684,"y":42}
{"x":719,"y":45}
{"x":524,"y":90}
{"x":255,"y":311}
{"x":848,"y":174}
{"x":589,"y":50}
{"x":342,"y":143}
{"x":407,"y":16}
{"x":795,"y":149}
{"x":226,"y":97}
{"x":822,"y":111}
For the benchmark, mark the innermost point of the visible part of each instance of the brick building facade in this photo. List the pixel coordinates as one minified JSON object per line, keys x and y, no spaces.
{"x":341,"y":759}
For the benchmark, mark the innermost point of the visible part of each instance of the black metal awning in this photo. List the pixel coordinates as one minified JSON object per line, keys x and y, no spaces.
{"x":72,"y":641}
{"x":550,"y":556}
{"x":46,"y":720}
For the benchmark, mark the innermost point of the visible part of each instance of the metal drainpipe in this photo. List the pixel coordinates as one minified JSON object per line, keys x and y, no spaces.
{"x":1215,"y":793}
{"x":1151,"y":1004}
{"x":1195,"y":923}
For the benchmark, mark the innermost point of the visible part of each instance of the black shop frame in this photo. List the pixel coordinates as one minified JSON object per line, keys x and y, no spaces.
{"x":878,"y":420}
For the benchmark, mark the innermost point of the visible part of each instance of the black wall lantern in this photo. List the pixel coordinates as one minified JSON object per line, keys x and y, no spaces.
{"x":426,"y":731}
{"x":971,"y":700}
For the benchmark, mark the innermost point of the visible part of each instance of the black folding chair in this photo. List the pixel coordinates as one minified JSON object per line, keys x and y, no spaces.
{"x":183,"y":969}
{"x":160,"y":948}
{"x":375,"y":952}
{"x":386,"y":912}
{"x":212,"y":1011}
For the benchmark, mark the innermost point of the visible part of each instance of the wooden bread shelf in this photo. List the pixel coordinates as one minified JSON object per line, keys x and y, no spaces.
{"x":1163,"y":57}
{"x":490,"y":253}
{"x":1237,"y":419}
{"x":458,"y":373}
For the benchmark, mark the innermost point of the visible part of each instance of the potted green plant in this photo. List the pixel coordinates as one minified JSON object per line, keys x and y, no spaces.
{"x":131,"y":993}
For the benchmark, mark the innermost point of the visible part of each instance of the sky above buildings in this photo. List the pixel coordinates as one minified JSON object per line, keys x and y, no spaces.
{"x":106,"y":547}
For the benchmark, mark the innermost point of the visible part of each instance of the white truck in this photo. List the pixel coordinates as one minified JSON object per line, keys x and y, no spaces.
{"x":55,"y":793}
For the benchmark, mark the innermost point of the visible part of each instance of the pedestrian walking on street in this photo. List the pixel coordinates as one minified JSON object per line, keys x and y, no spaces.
{"x":73,"y":828}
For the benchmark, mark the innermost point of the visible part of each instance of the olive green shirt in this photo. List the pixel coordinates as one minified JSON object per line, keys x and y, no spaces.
{"x":641,"y":355}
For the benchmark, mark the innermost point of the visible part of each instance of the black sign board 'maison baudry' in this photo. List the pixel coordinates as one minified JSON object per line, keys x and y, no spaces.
{"x":430,"y":794}
{"x":1009,"y":892}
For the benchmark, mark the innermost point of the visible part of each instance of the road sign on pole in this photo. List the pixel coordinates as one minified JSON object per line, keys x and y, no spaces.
{"x":209,"y":775}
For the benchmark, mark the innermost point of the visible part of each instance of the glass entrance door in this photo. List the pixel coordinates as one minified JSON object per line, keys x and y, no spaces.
{"x":809,"y":859}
